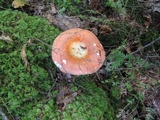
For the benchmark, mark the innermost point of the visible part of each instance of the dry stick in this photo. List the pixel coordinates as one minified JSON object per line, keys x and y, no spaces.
{"x":145,"y":46}
{"x":4,"y":117}
{"x":44,"y":43}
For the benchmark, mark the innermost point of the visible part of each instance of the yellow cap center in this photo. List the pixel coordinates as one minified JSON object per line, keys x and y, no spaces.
{"x":78,"y":49}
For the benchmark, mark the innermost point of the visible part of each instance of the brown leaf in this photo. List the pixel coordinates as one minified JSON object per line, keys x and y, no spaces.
{"x":148,"y":20}
{"x":24,"y":57}
{"x":6,"y":38}
{"x":105,"y":29}
{"x":64,"y":97}
{"x":127,"y":48}
{"x":93,"y":4}
{"x":18,"y":3}
{"x":127,"y":17}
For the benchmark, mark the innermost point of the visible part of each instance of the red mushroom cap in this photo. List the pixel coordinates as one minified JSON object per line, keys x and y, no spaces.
{"x":77,"y":51}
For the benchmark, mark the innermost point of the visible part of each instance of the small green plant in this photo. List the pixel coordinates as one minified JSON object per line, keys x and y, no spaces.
{"x":69,"y":6}
{"x":118,"y":5}
{"x":116,"y":59}
{"x":126,"y":83}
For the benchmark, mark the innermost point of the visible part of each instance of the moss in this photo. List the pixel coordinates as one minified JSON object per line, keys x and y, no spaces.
{"x":20,"y":86}
{"x":92,"y":104}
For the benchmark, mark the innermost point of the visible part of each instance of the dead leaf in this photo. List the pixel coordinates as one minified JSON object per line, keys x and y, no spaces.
{"x":105,"y":29}
{"x":93,"y":4}
{"x":64,"y":97}
{"x":148,"y":20}
{"x":6,"y":38}
{"x":127,"y":17}
{"x":127,"y":48}
{"x":24,"y":57}
{"x":18,"y":3}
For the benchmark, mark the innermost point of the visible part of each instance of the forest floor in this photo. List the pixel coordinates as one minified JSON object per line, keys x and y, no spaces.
{"x":130,"y":76}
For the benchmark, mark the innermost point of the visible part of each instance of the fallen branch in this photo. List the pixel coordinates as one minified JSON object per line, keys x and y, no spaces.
{"x":4,"y":117}
{"x":145,"y":46}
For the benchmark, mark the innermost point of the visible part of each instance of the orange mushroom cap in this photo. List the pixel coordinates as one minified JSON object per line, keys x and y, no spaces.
{"x":77,"y":51}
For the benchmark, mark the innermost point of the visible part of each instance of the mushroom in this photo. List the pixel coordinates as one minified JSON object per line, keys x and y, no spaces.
{"x":78,"y":52}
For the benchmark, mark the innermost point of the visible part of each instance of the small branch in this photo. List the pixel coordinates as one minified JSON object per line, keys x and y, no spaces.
{"x":4,"y":117}
{"x":145,"y":46}
{"x":44,"y":43}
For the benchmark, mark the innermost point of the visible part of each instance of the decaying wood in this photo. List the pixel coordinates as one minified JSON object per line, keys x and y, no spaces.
{"x":62,"y":21}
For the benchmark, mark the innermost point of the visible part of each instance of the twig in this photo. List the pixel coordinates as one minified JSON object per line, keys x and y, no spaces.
{"x":4,"y":117}
{"x":44,"y":43}
{"x":145,"y":46}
